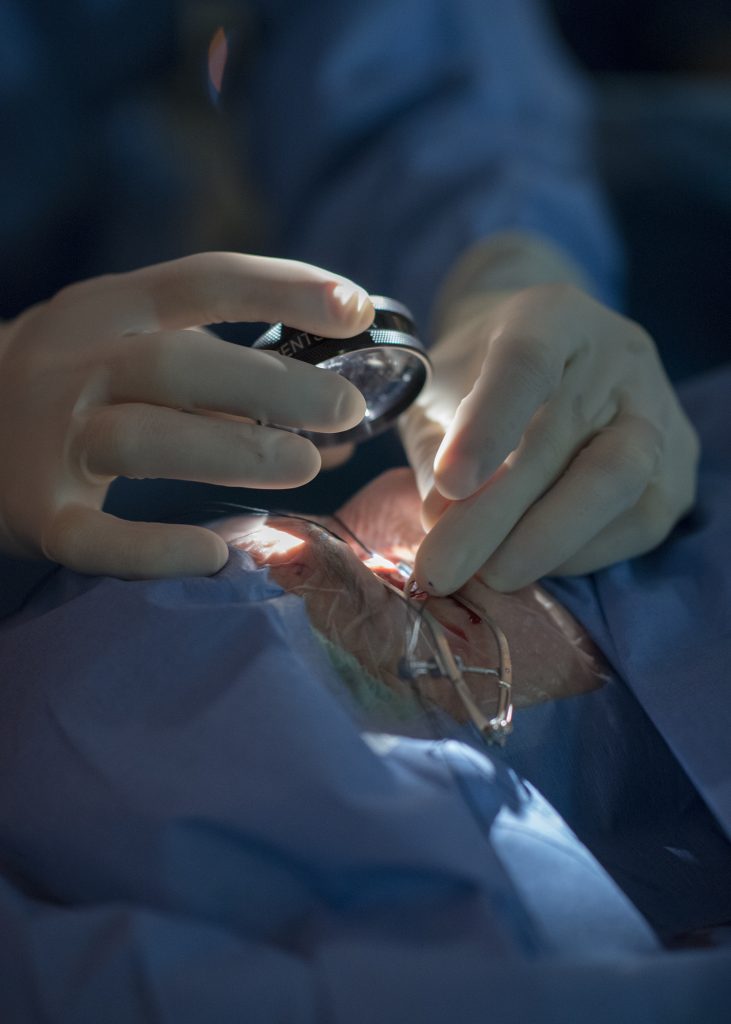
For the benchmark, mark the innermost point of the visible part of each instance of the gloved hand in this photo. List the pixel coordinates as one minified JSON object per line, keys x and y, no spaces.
{"x":550,"y":441}
{"x":112,"y":378}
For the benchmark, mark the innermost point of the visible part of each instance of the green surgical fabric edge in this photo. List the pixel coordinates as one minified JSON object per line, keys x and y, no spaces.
{"x":371,"y":695}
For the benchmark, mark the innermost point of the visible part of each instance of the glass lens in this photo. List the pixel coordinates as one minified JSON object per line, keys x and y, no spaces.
{"x":382,"y":376}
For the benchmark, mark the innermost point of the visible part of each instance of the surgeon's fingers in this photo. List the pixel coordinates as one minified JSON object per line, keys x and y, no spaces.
{"x":647,"y":523}
{"x":520,"y":372}
{"x":641,"y":528}
{"x":606,"y":479}
{"x":465,"y":534}
{"x":97,"y":543}
{"x":137,"y":440}
{"x":584,"y":404}
{"x":216,"y":287}
{"x":607,"y":476}
{"x":190,"y":370}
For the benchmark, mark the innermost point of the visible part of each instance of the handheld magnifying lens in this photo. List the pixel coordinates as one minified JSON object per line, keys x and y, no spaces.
{"x":387,"y":363}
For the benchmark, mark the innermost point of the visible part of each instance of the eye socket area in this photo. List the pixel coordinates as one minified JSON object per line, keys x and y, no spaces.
{"x":301,"y":548}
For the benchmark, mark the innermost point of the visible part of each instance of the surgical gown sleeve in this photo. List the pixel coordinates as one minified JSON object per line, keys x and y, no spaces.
{"x":388,"y":136}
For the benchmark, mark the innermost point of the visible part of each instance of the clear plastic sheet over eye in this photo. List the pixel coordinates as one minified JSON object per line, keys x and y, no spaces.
{"x":436,"y":661}
{"x":445,"y":697}
{"x":396,"y":656}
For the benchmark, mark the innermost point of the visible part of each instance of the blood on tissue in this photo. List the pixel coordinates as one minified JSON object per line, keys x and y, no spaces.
{"x":388,"y":571}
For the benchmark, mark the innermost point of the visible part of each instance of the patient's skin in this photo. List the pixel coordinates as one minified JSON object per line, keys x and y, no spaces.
{"x":552,"y":655}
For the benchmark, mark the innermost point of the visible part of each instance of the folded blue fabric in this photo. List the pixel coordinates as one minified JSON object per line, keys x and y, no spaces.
{"x":192,"y":827}
{"x":664,"y":619}
{"x":178,"y":778}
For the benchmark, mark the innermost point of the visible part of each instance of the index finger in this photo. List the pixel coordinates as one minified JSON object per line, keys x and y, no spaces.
{"x":226,"y":287}
{"x":194,"y":371}
{"x":520,"y":372}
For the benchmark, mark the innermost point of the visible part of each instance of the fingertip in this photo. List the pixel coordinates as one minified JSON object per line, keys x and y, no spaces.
{"x":459,"y":479}
{"x":350,"y":406}
{"x":98,"y":544}
{"x":178,"y":551}
{"x":449,"y":487}
{"x":219,"y":553}
{"x":297,"y":460}
{"x":337,"y":455}
{"x":349,"y":306}
{"x":427,"y":574}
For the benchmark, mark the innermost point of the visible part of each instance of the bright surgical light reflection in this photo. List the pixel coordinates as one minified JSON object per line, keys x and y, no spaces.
{"x":380,"y":563}
{"x":376,"y":562}
{"x":395,"y":573}
{"x":275,"y":542}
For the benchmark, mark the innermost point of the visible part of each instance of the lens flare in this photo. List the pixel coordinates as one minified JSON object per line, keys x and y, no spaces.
{"x":217,"y":58}
{"x":378,"y":562}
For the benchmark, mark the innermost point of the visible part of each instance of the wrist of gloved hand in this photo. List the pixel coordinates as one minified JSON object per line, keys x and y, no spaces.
{"x":494,"y":268}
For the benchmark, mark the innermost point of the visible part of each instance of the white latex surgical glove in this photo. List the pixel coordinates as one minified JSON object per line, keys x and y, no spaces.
{"x":549,"y":442}
{"x":112,"y":377}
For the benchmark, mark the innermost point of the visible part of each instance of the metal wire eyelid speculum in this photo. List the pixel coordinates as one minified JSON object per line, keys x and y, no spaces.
{"x":445,"y":664}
